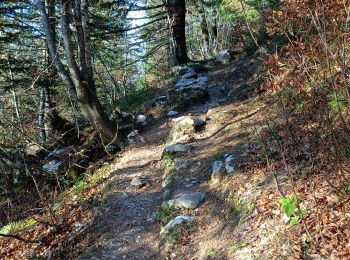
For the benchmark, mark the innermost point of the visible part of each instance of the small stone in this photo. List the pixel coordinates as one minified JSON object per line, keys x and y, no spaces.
{"x":215,"y":175}
{"x":198,"y":122}
{"x":33,"y":149}
{"x":181,"y":164}
{"x":111,"y":148}
{"x":166,"y":193}
{"x":141,"y":119}
{"x":172,"y":113}
{"x":229,"y":168}
{"x":137,"y":182}
{"x":53,"y":166}
{"x":217,"y":165}
{"x":229,"y":158}
{"x":174,"y":222}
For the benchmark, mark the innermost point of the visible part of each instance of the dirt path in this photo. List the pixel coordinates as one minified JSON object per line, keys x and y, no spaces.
{"x":126,"y":228}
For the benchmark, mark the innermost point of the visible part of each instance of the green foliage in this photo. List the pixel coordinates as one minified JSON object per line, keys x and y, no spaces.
{"x":134,"y":100}
{"x":99,"y":175}
{"x":167,"y":161}
{"x":80,"y":186}
{"x":289,"y":206}
{"x":336,"y":103}
{"x":165,"y":215}
{"x":18,"y":226}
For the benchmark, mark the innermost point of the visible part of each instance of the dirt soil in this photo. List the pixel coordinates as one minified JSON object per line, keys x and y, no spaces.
{"x":126,"y":229}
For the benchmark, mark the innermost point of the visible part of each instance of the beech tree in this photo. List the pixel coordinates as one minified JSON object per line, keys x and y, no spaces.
{"x":77,"y":75}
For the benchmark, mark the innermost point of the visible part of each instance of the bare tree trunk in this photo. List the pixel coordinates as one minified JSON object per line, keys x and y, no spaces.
{"x":80,"y":77}
{"x":41,"y":119}
{"x":177,"y":15}
{"x":204,"y":30}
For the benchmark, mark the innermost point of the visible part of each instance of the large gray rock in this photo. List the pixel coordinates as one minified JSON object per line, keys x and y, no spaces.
{"x":53,"y":166}
{"x":175,"y":222}
{"x":183,"y":127}
{"x":186,"y":201}
{"x":177,"y":148}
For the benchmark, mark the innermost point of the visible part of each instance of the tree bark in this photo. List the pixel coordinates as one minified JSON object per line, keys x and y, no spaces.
{"x":176,"y":10}
{"x":80,"y":76}
{"x":204,"y":29}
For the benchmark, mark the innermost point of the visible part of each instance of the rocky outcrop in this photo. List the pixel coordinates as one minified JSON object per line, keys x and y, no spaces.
{"x":192,"y":88}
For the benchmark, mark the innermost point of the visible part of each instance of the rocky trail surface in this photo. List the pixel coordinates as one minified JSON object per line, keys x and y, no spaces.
{"x":167,"y":180}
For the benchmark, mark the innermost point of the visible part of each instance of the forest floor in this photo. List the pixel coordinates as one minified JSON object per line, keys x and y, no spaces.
{"x":241,"y":216}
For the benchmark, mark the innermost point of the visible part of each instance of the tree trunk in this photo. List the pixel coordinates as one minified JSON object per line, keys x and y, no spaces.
{"x":204,"y":30}
{"x":79,"y":76}
{"x":177,"y":15}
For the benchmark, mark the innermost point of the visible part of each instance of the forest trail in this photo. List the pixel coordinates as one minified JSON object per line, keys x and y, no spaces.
{"x":126,"y":226}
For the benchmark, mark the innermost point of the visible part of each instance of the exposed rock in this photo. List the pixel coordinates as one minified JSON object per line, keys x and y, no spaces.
{"x":174,"y":222}
{"x":199,"y":122}
{"x":134,"y":137}
{"x":33,"y":149}
{"x":172,"y":113}
{"x":228,"y":166}
{"x":183,"y":83}
{"x":111,"y":148}
{"x":141,"y":120}
{"x":229,"y":158}
{"x":181,"y":164}
{"x":224,"y":56}
{"x":180,"y":70}
{"x":189,"y":91}
{"x":177,"y":148}
{"x":189,"y":74}
{"x":183,"y":126}
{"x":186,"y":201}
{"x":138,"y":182}
{"x":53,"y":166}
{"x":216,"y":172}
{"x":202,"y":79}
{"x":213,"y":114}
{"x":166,"y":193}
{"x":160,"y":101}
